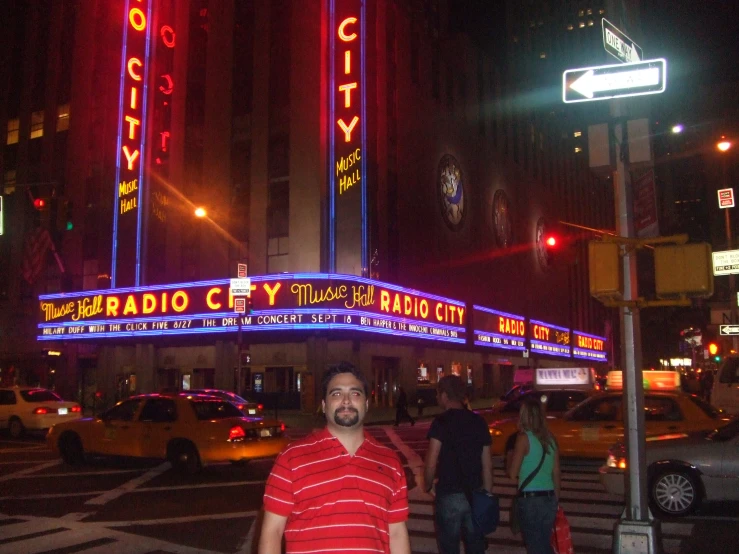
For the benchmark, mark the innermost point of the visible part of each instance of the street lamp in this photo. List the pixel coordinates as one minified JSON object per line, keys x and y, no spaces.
{"x":724,"y":146}
{"x":200,"y":212}
{"x":677,"y":129}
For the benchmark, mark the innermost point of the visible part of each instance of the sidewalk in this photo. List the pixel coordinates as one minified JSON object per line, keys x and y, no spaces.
{"x":295,"y":419}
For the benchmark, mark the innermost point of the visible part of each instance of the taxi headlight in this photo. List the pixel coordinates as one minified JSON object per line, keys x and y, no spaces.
{"x":616,"y":462}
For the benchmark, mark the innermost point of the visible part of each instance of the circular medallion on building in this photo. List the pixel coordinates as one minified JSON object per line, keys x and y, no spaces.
{"x":451,"y":192}
{"x":542,"y":252}
{"x":502,"y":219}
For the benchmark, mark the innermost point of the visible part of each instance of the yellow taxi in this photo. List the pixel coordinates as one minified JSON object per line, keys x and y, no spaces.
{"x":591,"y":427}
{"x":189,"y":430}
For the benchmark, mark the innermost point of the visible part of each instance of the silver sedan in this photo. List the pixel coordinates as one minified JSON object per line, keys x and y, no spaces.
{"x":683,"y":470}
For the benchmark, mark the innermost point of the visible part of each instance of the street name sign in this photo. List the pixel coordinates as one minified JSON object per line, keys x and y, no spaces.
{"x":726,"y":262}
{"x":618,"y":45}
{"x":603,"y":82}
{"x":729,"y":330}
{"x":241,"y":287}
{"x":726,"y":198}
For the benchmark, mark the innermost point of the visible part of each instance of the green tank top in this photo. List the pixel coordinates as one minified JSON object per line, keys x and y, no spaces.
{"x":543,"y":480}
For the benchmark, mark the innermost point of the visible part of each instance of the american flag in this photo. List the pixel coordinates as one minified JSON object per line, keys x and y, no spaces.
{"x":35,"y":247}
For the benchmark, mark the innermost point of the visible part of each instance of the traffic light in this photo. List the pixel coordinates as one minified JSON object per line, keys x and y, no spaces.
{"x":683,"y":270}
{"x":39,"y":204}
{"x":249,"y":305}
{"x":604,"y":270}
{"x":64,"y":215}
{"x":714,"y":350}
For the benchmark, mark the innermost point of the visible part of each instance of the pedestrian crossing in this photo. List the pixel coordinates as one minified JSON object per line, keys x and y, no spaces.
{"x":592,"y":514}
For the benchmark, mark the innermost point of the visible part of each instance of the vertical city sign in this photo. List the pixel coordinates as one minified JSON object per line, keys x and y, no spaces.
{"x":545,"y":338}
{"x":618,"y":45}
{"x":588,"y":347}
{"x":156,"y":194}
{"x":495,"y":329}
{"x":129,"y":186}
{"x":347,"y":138}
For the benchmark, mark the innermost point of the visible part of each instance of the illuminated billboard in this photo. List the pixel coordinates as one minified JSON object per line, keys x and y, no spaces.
{"x":588,"y":347}
{"x":347,"y":138}
{"x":494,"y":329}
{"x":130,"y":149}
{"x":545,"y":338}
{"x":281,"y":302}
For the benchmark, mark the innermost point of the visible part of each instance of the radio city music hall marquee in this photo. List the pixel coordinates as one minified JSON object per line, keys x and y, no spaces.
{"x":494,"y":329}
{"x":588,"y":347}
{"x":280,"y":302}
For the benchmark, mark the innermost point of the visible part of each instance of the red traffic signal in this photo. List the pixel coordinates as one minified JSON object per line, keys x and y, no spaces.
{"x":550,"y":241}
{"x":713,"y":349}
{"x":39,"y":203}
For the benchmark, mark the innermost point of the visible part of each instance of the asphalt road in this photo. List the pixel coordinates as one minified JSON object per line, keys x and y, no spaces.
{"x":125,"y":506}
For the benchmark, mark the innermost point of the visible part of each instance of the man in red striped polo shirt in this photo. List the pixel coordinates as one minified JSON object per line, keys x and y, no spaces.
{"x":337,"y":490}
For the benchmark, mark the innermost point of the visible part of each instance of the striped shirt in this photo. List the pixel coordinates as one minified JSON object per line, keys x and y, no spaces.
{"x":335,"y":502}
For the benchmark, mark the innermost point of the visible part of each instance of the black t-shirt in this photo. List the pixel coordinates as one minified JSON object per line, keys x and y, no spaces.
{"x":462,"y":434}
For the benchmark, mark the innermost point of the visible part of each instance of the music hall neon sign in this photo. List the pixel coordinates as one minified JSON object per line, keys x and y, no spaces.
{"x":549,"y":339}
{"x":129,"y":186}
{"x":494,"y":329}
{"x":589,"y":347}
{"x":281,"y":302}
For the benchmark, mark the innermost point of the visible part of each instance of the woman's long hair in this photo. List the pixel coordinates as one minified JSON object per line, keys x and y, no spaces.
{"x":531,"y":418}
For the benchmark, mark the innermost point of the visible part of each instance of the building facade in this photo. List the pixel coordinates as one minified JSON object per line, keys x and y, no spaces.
{"x":332,"y":143}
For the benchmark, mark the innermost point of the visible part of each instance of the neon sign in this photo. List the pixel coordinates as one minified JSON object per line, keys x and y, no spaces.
{"x":589,"y":347}
{"x":281,"y":302}
{"x":347,"y":138}
{"x":129,"y":186}
{"x":545,"y":338}
{"x":494,"y":329}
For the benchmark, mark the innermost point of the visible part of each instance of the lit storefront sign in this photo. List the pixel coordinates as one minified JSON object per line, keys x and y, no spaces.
{"x":588,"y":347}
{"x":565,"y":376}
{"x":129,"y":185}
{"x":494,"y":329}
{"x":281,"y":302}
{"x":347,"y":138}
{"x":549,"y":339}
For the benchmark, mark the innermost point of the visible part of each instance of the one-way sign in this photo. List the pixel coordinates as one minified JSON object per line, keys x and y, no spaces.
{"x":729,"y":329}
{"x":602,"y":82}
{"x":618,"y":45}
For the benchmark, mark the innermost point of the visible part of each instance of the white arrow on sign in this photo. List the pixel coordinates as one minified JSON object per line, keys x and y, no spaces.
{"x":590,"y":83}
{"x":729,"y":329}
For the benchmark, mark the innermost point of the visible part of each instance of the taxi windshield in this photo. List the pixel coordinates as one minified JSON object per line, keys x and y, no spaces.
{"x":214,"y":409}
{"x":39,"y":395}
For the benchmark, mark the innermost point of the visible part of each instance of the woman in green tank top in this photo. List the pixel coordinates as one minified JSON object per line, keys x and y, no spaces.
{"x":535,"y":466}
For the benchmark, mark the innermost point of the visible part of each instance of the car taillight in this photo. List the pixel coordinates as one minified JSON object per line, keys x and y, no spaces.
{"x":241,"y":407}
{"x":260,"y":407}
{"x":75,"y":409}
{"x":282,"y":426}
{"x":40,"y":411}
{"x":236,"y":433}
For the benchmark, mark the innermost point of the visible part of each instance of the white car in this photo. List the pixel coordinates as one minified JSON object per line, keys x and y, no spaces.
{"x":682,"y":469}
{"x":33,"y":409}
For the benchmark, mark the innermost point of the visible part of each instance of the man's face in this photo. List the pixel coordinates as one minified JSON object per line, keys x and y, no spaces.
{"x":345,"y":404}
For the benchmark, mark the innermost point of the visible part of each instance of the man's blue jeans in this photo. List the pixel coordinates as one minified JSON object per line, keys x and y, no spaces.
{"x":536,"y":516}
{"x":454,"y":522}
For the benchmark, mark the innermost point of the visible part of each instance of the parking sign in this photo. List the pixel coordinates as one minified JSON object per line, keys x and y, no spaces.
{"x":726,"y":198}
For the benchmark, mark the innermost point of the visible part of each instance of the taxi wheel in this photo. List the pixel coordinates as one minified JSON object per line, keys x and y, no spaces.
{"x":675,"y":493}
{"x":16,"y":428}
{"x":184,"y":458}
{"x":70,"y":448}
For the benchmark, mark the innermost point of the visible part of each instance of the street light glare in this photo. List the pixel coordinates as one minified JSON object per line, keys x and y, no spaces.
{"x":676,"y":129}
{"x":200,"y":212}
{"x":724,"y":145}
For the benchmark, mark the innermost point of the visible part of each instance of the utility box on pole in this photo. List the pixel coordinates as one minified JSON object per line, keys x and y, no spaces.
{"x":683,"y":270}
{"x":604,"y":270}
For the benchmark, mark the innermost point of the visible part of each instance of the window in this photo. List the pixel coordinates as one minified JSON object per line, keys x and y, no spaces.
{"x":13,"y":131}
{"x":578,"y":149}
{"x":581,"y":24}
{"x":123,"y":411}
{"x":707,"y":409}
{"x":9,"y":181}
{"x":730,"y":372}
{"x":542,"y":55}
{"x":39,"y":395}
{"x":37,"y":124}
{"x":7,"y":397}
{"x":661,"y":409}
{"x":590,"y":22}
{"x":159,"y":410}
{"x":577,"y":134}
{"x":570,"y":26}
{"x":600,"y":409}
{"x":62,"y":118}
{"x":214,"y":409}
{"x":581,"y":13}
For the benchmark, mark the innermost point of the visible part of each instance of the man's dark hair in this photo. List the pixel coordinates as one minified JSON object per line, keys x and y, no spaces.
{"x":343,"y":367}
{"x":453,"y":386}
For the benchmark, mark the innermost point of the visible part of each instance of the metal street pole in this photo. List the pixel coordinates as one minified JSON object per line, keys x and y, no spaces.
{"x":729,"y":243}
{"x":636,"y":531}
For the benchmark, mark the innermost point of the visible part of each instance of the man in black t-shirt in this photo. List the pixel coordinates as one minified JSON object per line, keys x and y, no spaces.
{"x":459,"y":455}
